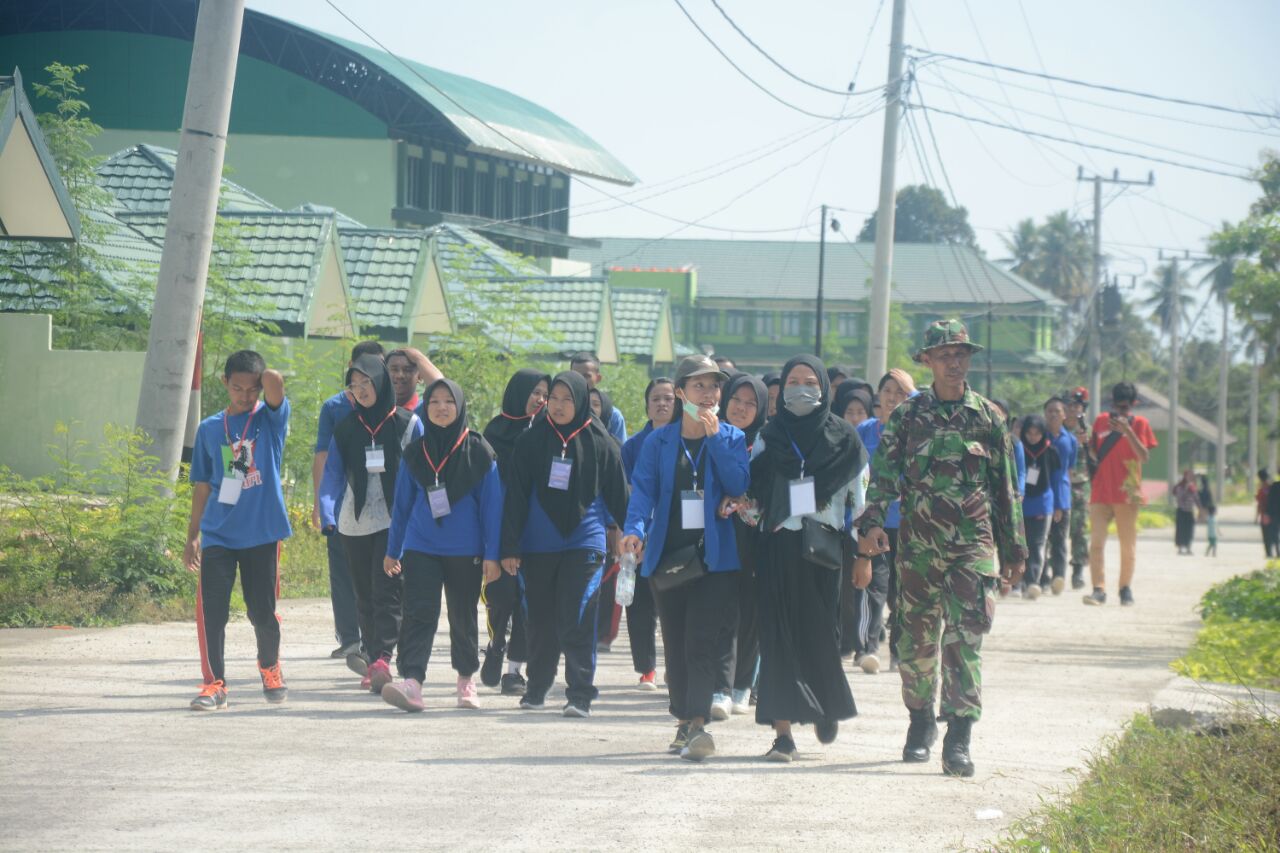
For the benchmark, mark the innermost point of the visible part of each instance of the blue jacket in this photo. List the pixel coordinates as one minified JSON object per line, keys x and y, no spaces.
{"x":631,"y":449}
{"x":1067,"y":447}
{"x":869,"y":431}
{"x":617,"y":426}
{"x":471,"y":529}
{"x":648,"y":513}
{"x":1020,"y":462}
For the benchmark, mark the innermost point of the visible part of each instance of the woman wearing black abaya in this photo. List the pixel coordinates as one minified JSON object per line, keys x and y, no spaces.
{"x":523,"y":399}
{"x":564,"y":482}
{"x":356,"y":497}
{"x":806,"y":474}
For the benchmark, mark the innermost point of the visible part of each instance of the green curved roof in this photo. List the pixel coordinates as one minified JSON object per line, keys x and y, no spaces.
{"x":497,"y":121}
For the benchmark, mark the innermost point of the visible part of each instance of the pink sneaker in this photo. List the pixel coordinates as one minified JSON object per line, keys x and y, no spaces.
{"x":379,"y":675}
{"x":467,"y":697}
{"x":407,"y":695}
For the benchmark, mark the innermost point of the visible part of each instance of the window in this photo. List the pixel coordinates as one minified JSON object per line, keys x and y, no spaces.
{"x":502,"y":176}
{"x":461,"y":179}
{"x":708,"y":322}
{"x":735,"y":323}
{"x":483,"y":190}
{"x":764,"y":324}
{"x":791,"y":324}
{"x":677,"y":322}
{"x":847,"y":326}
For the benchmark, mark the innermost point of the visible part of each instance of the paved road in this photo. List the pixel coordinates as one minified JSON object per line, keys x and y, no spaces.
{"x":98,"y":751}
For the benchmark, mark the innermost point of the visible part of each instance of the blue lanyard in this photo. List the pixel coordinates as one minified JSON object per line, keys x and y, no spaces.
{"x":796,"y":448}
{"x":694,"y":463}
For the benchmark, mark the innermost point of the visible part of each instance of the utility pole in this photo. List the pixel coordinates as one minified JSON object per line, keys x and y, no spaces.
{"x":1175,"y":366}
{"x":188,"y":238}
{"x":882,"y":270}
{"x":990,"y":320}
{"x":1224,"y":379}
{"x":1094,"y":315}
{"x":1253,"y":415}
{"x":822,"y":260}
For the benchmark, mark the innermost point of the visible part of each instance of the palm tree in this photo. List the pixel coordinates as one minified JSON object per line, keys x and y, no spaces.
{"x":1065,"y":258}
{"x":1161,"y":302}
{"x":1024,"y":247}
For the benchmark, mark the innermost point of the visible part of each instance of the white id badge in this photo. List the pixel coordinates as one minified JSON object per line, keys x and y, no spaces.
{"x":1033,"y":476}
{"x":229,"y":492}
{"x":374,"y":462}
{"x":438,"y":499}
{"x":560,"y":471}
{"x":692,"y":512}
{"x":803,"y":498}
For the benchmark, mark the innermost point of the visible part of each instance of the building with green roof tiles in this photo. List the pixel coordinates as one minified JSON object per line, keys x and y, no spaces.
{"x":395,"y":282}
{"x":642,"y":318}
{"x":141,"y":179}
{"x":419,"y":146}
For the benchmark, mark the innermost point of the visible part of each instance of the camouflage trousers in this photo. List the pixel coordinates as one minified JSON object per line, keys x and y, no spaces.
{"x":943,"y":610}
{"x":1079,"y":527}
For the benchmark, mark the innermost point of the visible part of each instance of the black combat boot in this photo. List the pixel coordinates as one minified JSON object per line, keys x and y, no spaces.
{"x":955,"y":747}
{"x":921,"y":734}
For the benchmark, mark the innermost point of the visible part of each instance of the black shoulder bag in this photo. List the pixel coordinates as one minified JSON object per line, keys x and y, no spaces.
{"x":680,"y":567}
{"x":820,"y":543}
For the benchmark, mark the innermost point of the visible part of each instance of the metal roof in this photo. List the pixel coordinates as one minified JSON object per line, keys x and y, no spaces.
{"x":923,"y":273}
{"x":1154,"y":406}
{"x":384,"y":270}
{"x":141,"y":178}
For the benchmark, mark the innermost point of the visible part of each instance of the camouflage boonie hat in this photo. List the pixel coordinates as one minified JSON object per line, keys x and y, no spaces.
{"x":944,"y":333}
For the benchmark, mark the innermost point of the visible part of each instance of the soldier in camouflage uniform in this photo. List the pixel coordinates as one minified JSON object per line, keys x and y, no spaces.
{"x":1078,"y":422}
{"x":947,"y":453}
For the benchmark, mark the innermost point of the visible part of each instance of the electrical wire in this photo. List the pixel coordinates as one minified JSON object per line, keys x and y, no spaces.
{"x":1100,"y":86}
{"x":1242,"y":175}
{"x":787,"y":71}
{"x":751,"y":79}
{"x":1031,"y":36}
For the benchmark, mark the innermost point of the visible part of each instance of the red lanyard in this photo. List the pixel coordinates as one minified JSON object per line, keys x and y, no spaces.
{"x":564,"y":442}
{"x":243,"y":433}
{"x":436,"y":469}
{"x":373,"y":433}
{"x":1036,"y":456}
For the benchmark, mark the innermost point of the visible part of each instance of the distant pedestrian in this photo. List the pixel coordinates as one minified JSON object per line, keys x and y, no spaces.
{"x":1262,"y":517}
{"x":1187,"y":499}
{"x":1046,"y":488}
{"x":1067,"y":449}
{"x":1078,"y":423}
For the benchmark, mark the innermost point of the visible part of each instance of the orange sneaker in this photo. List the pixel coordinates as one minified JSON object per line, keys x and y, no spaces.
{"x":273,"y":686}
{"x":213,"y":697}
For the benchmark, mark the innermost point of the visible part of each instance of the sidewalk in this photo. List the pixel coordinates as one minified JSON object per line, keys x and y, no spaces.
{"x":98,"y":751}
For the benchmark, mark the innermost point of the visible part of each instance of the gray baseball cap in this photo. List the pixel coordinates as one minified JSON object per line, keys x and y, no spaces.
{"x":698,"y":365}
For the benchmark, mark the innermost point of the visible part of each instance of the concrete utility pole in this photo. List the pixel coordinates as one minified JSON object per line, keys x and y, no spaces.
{"x":822,"y":262}
{"x":188,"y":238}
{"x":1224,"y":376}
{"x":1175,"y":367}
{"x":882,"y":270}
{"x":1094,"y":314}
{"x":1253,"y":418}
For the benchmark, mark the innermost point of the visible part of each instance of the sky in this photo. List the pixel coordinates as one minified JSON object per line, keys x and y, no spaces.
{"x":711,"y":148}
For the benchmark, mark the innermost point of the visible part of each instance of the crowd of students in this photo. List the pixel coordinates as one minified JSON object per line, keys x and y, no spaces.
{"x":736,"y":501}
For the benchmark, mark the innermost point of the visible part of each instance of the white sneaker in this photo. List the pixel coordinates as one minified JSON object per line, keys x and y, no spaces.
{"x":1033,"y":591}
{"x":721,"y":707}
{"x":572,"y":710}
{"x":870,"y":664}
{"x":1058,"y":585}
{"x":741,"y":702}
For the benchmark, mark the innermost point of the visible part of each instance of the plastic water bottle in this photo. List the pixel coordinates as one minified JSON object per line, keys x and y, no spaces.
{"x":625,"y":592}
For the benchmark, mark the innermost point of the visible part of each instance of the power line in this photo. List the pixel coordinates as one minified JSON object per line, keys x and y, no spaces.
{"x":751,"y":79}
{"x":1026,"y":23}
{"x":776,"y":63}
{"x":853,"y":84}
{"x":1100,"y":86}
{"x":1242,"y":175}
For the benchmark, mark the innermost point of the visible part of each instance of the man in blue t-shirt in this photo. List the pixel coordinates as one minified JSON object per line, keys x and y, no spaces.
{"x":238,"y":520}
{"x":1066,"y":446}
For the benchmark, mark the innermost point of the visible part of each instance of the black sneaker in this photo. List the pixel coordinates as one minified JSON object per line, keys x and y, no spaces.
{"x":678,"y":743}
{"x":783,"y":750}
{"x":826,"y":731}
{"x":513,"y":684}
{"x":581,"y":712}
{"x":358,"y":663}
{"x":1126,"y":597}
{"x":1077,"y":580}
{"x":273,"y":686}
{"x":344,"y":650}
{"x":532,"y":703}
{"x":1097,"y":598}
{"x":491,"y":669}
{"x":699,"y":746}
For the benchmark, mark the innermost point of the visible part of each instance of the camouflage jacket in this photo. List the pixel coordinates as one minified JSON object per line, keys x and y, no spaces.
{"x":1080,"y":473}
{"x":956,"y":479}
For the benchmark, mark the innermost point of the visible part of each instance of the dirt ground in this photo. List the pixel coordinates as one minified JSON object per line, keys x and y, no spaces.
{"x":99,"y":751}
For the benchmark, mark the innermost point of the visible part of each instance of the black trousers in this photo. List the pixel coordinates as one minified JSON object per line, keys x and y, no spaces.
{"x":562,"y":590}
{"x":504,"y":605}
{"x":698,"y":624}
{"x":1184,"y":528}
{"x":890,"y":561}
{"x":377,"y":596}
{"x":213,"y":598}
{"x":868,"y":608}
{"x":1056,"y":556}
{"x":741,"y":672}
{"x":642,"y":625}
{"x":423,"y":576}
{"x":1037,"y":528}
{"x":848,"y":621}
{"x":1270,"y":534}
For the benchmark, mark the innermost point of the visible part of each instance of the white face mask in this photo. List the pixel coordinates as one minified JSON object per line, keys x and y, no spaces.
{"x":801,"y":400}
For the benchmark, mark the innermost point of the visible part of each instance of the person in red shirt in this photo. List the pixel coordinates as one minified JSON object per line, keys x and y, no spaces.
{"x":1121,"y":444}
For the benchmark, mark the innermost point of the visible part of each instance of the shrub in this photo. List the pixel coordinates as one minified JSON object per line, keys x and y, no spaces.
{"x":1252,"y":596}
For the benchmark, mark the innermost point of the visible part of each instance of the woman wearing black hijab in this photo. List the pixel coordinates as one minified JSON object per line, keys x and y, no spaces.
{"x":1039,"y":501}
{"x":564,"y":483}
{"x":447,"y":521}
{"x":806,"y":476}
{"x":524,"y":397}
{"x":360,"y":474}
{"x":746,"y":406}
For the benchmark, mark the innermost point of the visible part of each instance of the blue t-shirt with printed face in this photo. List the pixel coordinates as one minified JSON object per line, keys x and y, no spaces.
{"x":259,"y":516}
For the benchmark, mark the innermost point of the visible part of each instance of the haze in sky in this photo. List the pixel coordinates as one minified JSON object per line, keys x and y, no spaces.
{"x":639,"y":78}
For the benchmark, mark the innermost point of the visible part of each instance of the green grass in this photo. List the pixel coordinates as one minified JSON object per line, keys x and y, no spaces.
{"x":1158,"y":790}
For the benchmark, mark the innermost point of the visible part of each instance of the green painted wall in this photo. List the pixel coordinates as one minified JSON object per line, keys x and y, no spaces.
{"x":139,"y":82}
{"x":357,"y":176}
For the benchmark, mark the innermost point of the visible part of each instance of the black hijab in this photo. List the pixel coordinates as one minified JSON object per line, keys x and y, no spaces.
{"x":465,"y":467}
{"x":846,"y":393}
{"x":1041,"y":453}
{"x":507,"y":425}
{"x":833,"y":454}
{"x":606,"y":411}
{"x":352,"y":433}
{"x":597,"y":468}
{"x":762,"y":403}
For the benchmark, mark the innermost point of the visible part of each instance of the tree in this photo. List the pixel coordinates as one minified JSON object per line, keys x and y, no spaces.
{"x":1161,"y":302}
{"x":1024,"y":249}
{"x":1255,"y":286}
{"x":922,"y":215}
{"x":1064,"y":259}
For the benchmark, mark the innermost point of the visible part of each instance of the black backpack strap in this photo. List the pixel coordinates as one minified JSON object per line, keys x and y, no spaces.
{"x":1108,"y":443}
